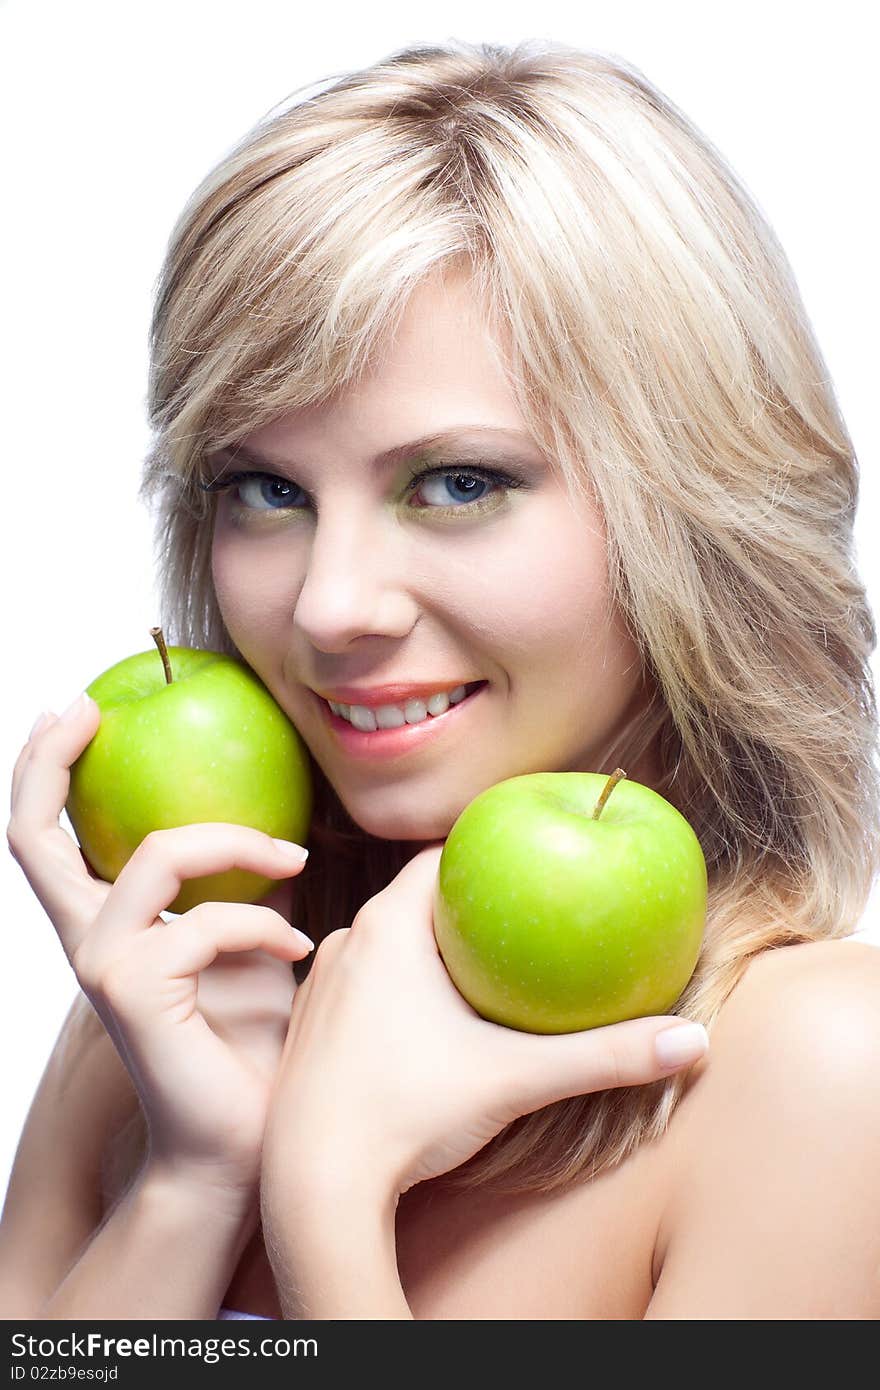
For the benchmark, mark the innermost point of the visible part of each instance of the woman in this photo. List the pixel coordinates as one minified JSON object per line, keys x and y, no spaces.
{"x":477,"y":377}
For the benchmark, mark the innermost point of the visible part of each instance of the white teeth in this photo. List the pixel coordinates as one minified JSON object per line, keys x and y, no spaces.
{"x":390,"y":717}
{"x":394,"y":716}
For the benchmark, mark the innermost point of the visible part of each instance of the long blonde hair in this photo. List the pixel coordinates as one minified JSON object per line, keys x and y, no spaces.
{"x":661,"y":355}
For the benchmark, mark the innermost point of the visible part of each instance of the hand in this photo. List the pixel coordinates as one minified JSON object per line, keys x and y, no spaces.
{"x":201,"y":1048}
{"x":389,"y":1076}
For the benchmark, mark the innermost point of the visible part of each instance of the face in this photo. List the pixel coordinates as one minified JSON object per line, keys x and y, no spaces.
{"x":338,"y":571}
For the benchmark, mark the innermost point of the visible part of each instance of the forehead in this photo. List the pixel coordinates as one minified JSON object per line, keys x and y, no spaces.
{"x":441,"y":370}
{"x":443,"y":336}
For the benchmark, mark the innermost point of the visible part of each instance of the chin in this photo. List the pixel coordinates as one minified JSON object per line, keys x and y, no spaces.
{"x":400,"y":823}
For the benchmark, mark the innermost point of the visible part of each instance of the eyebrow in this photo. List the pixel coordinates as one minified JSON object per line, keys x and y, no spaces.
{"x":474,"y":439}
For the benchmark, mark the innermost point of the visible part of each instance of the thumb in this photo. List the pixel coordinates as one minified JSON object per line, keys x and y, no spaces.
{"x":549,"y":1067}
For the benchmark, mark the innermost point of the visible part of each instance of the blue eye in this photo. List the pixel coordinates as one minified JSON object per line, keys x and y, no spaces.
{"x":241,"y":480}
{"x":465,"y":484}
{"x":459,"y":484}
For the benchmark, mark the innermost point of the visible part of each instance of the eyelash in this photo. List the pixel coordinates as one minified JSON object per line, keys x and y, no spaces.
{"x":490,"y":475}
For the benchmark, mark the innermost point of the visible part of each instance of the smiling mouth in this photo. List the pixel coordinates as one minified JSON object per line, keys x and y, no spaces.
{"x":408,"y":719}
{"x":410,"y":714}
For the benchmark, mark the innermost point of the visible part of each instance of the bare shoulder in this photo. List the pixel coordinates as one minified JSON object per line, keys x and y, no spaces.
{"x":814,"y":1005}
{"x":776,"y":1148}
{"x":54,"y":1198}
{"x":839,"y":964}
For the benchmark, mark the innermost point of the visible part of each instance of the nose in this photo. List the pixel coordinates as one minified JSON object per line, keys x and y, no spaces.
{"x":355,"y":584}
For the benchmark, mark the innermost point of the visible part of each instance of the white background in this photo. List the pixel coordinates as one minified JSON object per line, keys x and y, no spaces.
{"x":111,"y":114}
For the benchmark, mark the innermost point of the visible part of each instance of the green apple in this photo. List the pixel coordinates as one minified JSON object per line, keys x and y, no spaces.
{"x":187,"y":736}
{"x":555,"y":912}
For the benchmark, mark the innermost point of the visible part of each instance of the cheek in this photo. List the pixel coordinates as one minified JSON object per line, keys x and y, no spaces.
{"x":547,"y":599}
{"x":229,"y":593}
{"x":250,"y":593}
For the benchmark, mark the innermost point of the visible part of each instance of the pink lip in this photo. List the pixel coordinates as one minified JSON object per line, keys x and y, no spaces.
{"x":394,"y":743}
{"x":374,"y":696}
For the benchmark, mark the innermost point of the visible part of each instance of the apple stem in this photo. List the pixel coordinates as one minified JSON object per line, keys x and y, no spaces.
{"x":617,"y":775}
{"x":159,"y":638}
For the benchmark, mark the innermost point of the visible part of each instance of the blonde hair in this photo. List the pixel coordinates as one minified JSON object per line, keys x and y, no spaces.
{"x":661,"y":355}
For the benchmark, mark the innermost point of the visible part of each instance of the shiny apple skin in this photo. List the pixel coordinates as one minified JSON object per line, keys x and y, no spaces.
{"x":214,"y":745}
{"x":551,"y":922}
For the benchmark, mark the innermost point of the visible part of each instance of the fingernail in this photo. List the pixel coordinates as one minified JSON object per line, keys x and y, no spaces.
{"x":685,"y":1043}
{"x":41,"y":723}
{"x":75,"y":710}
{"x":295,"y":853}
{"x":306,"y":941}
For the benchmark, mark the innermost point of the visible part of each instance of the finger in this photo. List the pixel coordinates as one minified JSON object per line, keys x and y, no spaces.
{"x":180,"y":950}
{"x":300,"y":1004}
{"x":47,"y":854}
{"x":16,"y":775}
{"x":417,"y":873}
{"x":551,"y":1067}
{"x":196,"y":938}
{"x":44,"y":779}
{"x":43,"y":722}
{"x":166,"y":859}
{"x":412,"y":888}
{"x":327,"y":952}
{"x":45,"y":719}
{"x":419,"y":870}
